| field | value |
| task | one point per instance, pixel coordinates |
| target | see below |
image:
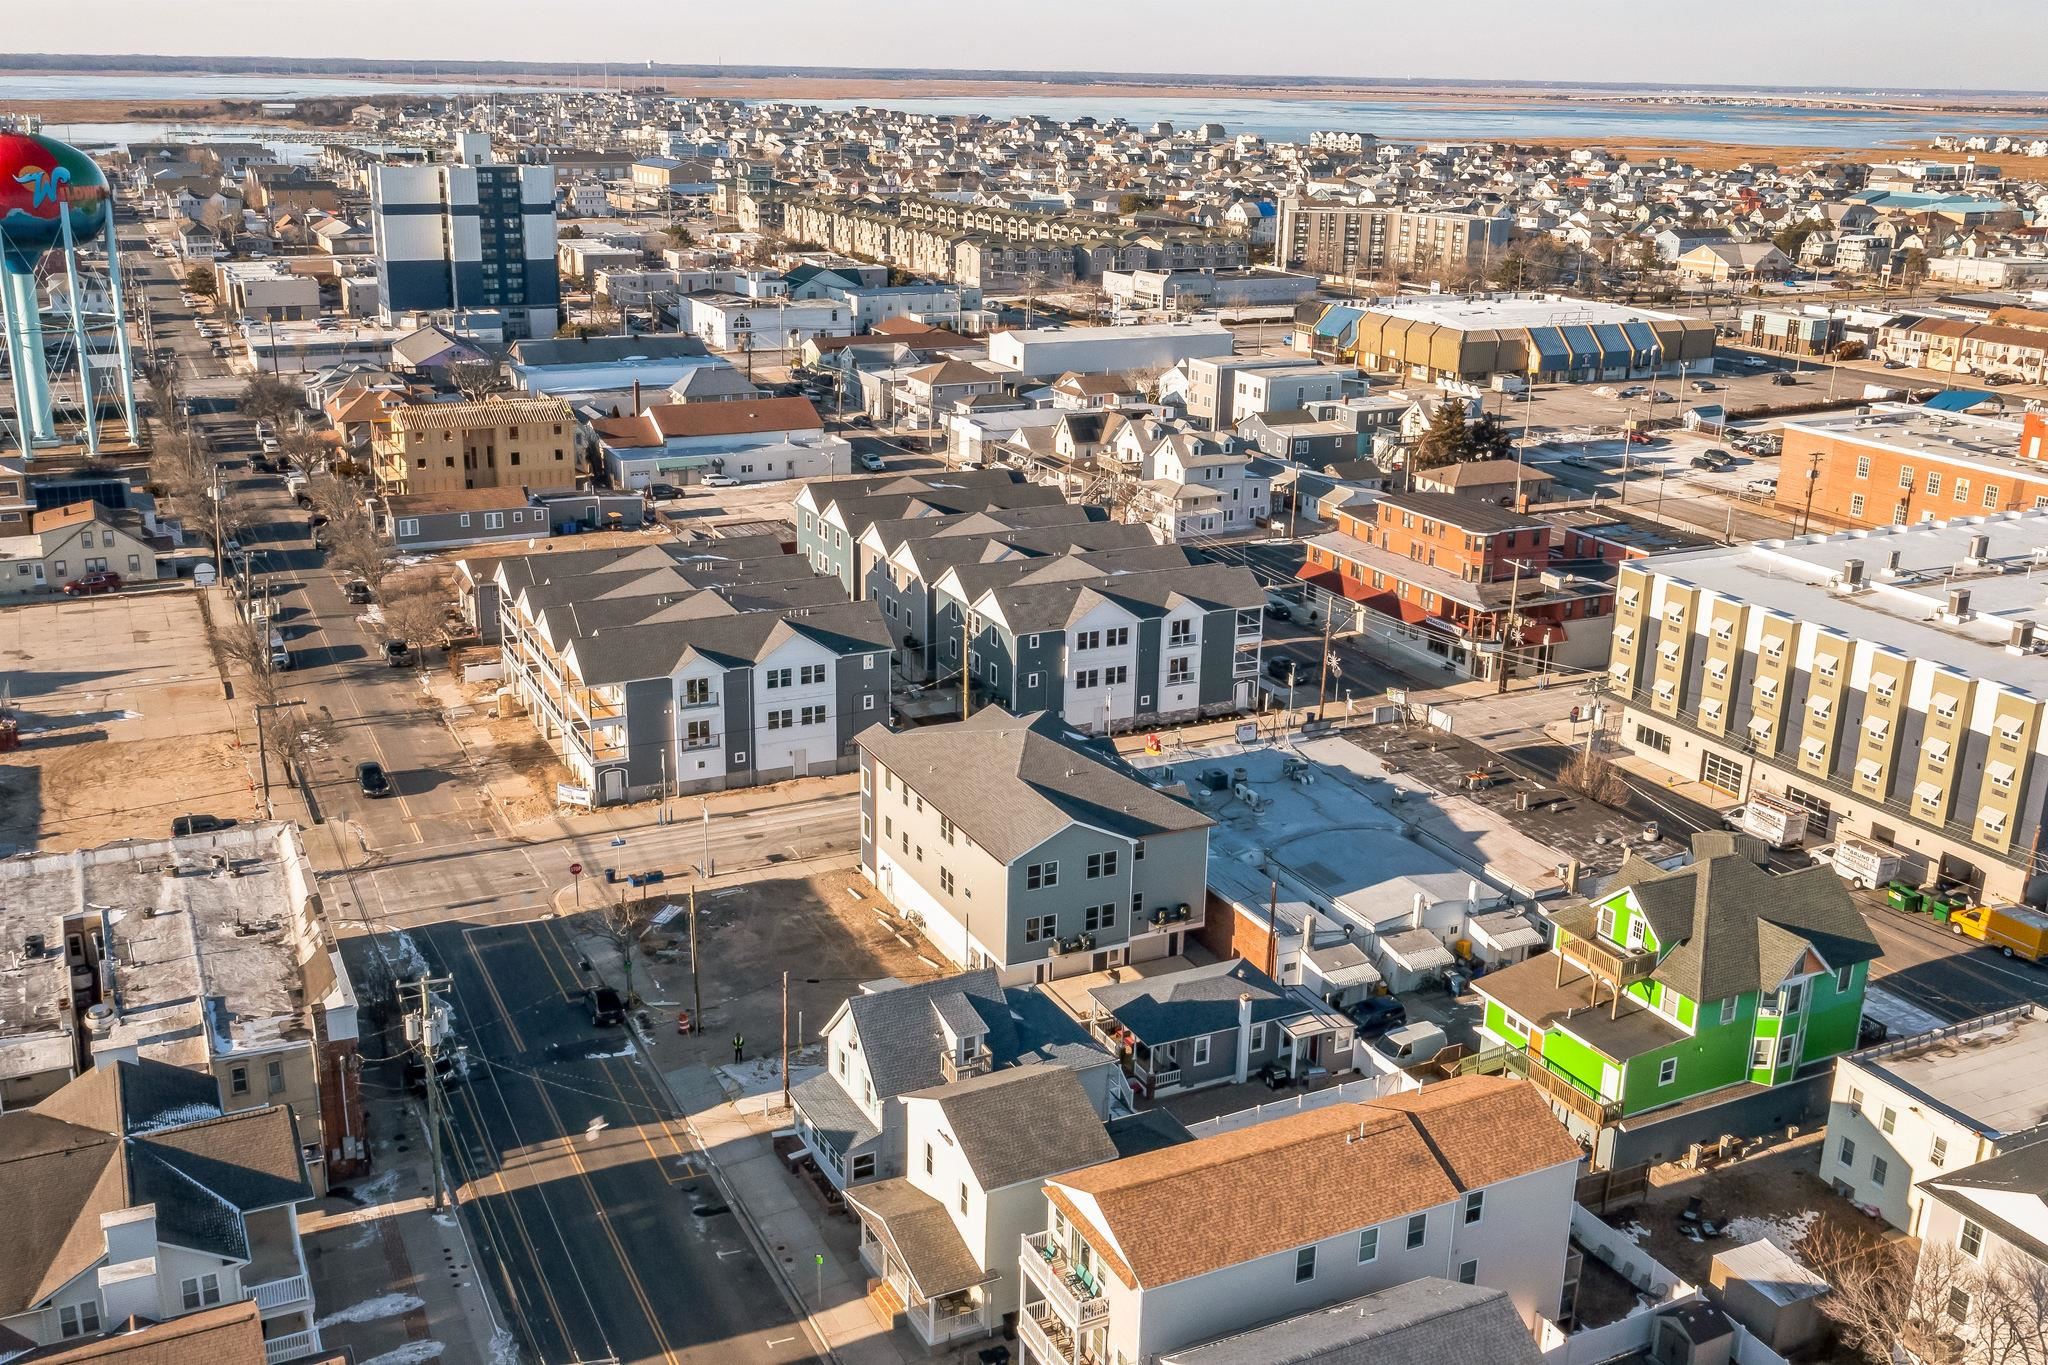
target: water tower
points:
(53, 198)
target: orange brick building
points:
(1899, 466)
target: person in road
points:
(739, 1042)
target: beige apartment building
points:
(498, 443)
(1890, 681)
(1362, 240)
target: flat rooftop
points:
(1987, 1071)
(1136, 332)
(1913, 431)
(1903, 611)
(1479, 315)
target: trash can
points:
(1901, 896)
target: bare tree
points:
(354, 545)
(416, 607)
(1595, 777)
(1930, 1298)
(621, 924)
(268, 398)
(476, 379)
(302, 449)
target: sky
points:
(1909, 45)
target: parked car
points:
(397, 653)
(372, 779)
(1286, 670)
(1632, 391)
(607, 1009)
(661, 492)
(871, 462)
(447, 1072)
(720, 481)
(1702, 462)
(357, 591)
(1719, 458)
(1705, 386)
(1376, 1014)
(197, 824)
(317, 520)
(1784, 378)
(92, 584)
(1763, 488)
(1406, 1047)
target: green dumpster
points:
(1941, 907)
(1901, 896)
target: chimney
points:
(1415, 915)
(1959, 604)
(1979, 551)
(128, 1290)
(130, 1234)
(636, 398)
(1244, 1036)
(1308, 929)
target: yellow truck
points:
(2011, 930)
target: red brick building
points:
(1898, 465)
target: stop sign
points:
(575, 869)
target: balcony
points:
(277, 1350)
(691, 701)
(1576, 1098)
(1073, 1294)
(276, 1296)
(1621, 967)
(957, 1068)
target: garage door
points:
(1722, 774)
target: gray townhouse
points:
(1131, 647)
(1300, 437)
(1018, 849)
(486, 588)
(891, 1040)
(910, 557)
(1220, 1023)
(653, 671)
(831, 515)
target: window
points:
(1116, 636)
(1937, 1152)
(1667, 1071)
(1962, 490)
(1856, 505)
(1102, 864)
(1990, 495)
(1201, 1053)
(781, 720)
(275, 1076)
(1088, 639)
(1653, 739)
(867, 703)
(814, 715)
(80, 1319)
(1879, 1169)
(1304, 1265)
(1888, 1119)
(1761, 1053)
(864, 1166)
(1933, 482)
(1418, 1230)
(1958, 1306)
(1905, 476)
(1468, 1272)
(1098, 917)
(1475, 1206)
(1843, 977)
(928, 1160)
(238, 1080)
(1087, 677)
(1971, 1239)
(1862, 466)
(495, 521)
(1847, 1156)
(946, 880)
(201, 1290)
(1039, 928)
(1728, 1008)
(778, 677)
(1040, 875)
(1258, 1037)
(1368, 1246)
(963, 1196)
(811, 675)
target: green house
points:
(1676, 984)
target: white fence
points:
(1364, 1088)
(1624, 1257)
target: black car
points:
(1702, 462)
(607, 1008)
(1784, 379)
(197, 824)
(397, 653)
(1287, 670)
(357, 591)
(372, 779)
(447, 1071)
(1376, 1014)
(663, 491)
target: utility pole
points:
(966, 671)
(420, 1030)
(263, 747)
(785, 1038)
(1323, 679)
(696, 982)
(1508, 630)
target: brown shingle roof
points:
(57, 517)
(230, 1334)
(1223, 1200)
(742, 417)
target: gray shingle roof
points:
(921, 1233)
(1037, 605)
(840, 1122)
(1023, 1123)
(657, 650)
(1423, 1322)
(1012, 782)
(1184, 1004)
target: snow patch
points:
(373, 615)
(1785, 1233)
(504, 1348)
(378, 1190)
(178, 1117)
(374, 1310)
(1633, 1230)
(408, 961)
(625, 1051)
(412, 1353)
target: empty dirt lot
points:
(123, 724)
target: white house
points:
(1994, 1217)
(730, 322)
(752, 440)
(1194, 487)
(1471, 1180)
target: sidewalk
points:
(393, 1281)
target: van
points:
(1405, 1048)
(1866, 862)
(2013, 931)
(280, 655)
(1780, 824)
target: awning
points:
(1438, 623)
(1760, 726)
(1814, 746)
(1937, 750)
(1618, 670)
(1869, 770)
(1878, 727)
(1999, 773)
(1718, 667)
(1550, 633)
(1711, 708)
(1767, 688)
(1820, 706)
(1668, 648)
(1664, 687)
(1994, 820)
(1929, 794)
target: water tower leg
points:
(30, 361)
(124, 350)
(18, 364)
(88, 400)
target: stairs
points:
(884, 1302)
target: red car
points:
(93, 583)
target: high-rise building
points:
(468, 236)
(1363, 240)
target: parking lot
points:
(128, 731)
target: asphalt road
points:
(603, 1233)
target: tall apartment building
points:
(467, 235)
(1353, 240)
(1895, 465)
(1888, 681)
